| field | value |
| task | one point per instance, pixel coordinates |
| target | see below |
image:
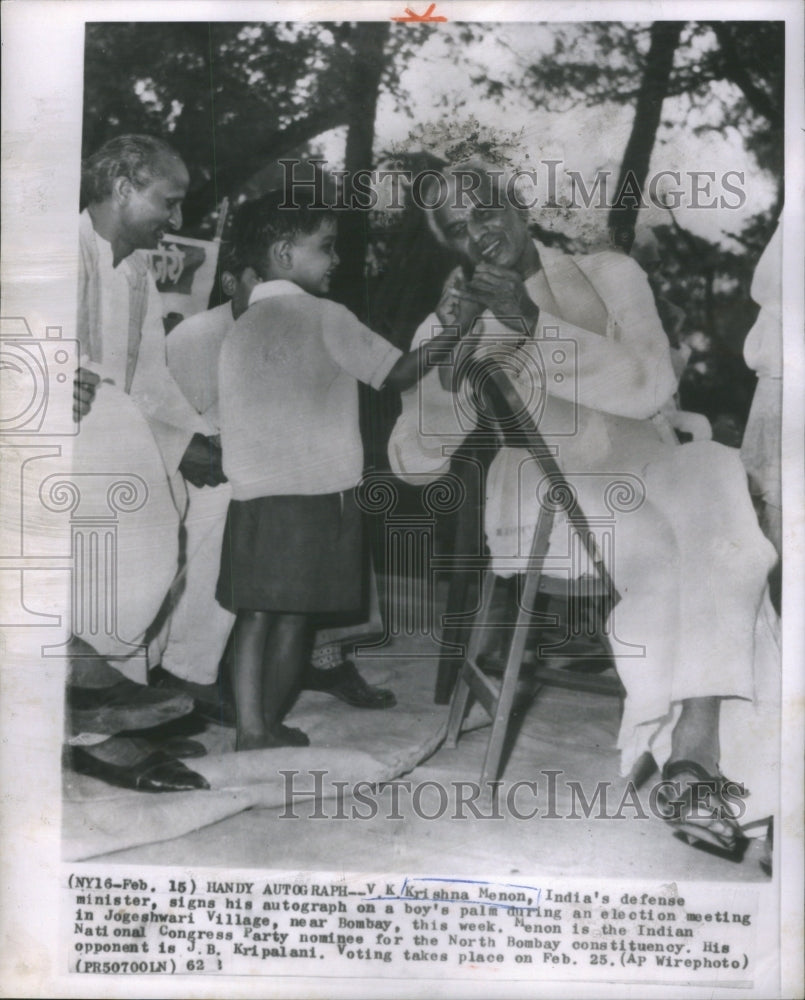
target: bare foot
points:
(251, 741)
(279, 736)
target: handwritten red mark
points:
(414, 18)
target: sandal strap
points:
(684, 766)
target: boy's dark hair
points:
(137, 157)
(278, 215)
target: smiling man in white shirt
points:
(133, 187)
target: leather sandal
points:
(700, 813)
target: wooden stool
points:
(497, 698)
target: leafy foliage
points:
(232, 97)
(236, 97)
(595, 63)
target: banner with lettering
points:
(184, 269)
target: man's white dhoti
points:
(126, 528)
(199, 627)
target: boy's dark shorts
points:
(292, 553)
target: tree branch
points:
(237, 169)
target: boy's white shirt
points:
(282, 432)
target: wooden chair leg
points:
(511, 674)
(469, 466)
(449, 666)
(461, 692)
(458, 709)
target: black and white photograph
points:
(402, 487)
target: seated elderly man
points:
(689, 562)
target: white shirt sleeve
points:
(432, 424)
(366, 355)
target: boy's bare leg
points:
(286, 656)
(250, 633)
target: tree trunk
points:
(634, 169)
(363, 86)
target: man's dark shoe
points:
(346, 683)
(212, 701)
(173, 737)
(122, 706)
(188, 725)
(154, 771)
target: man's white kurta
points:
(133, 362)
(171, 418)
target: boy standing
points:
(292, 542)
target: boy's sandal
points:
(701, 816)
